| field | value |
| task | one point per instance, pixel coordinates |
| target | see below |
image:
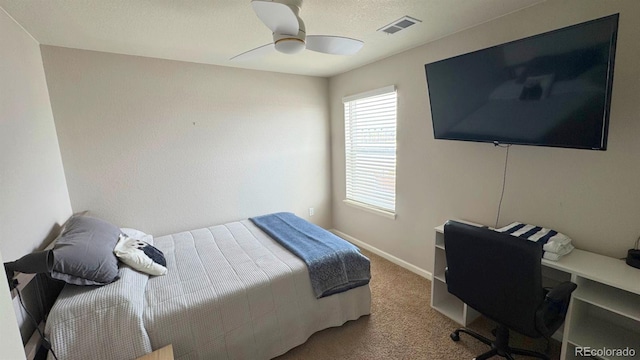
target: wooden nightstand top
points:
(165, 353)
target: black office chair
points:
(500, 276)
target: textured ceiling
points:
(213, 31)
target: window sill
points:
(371, 209)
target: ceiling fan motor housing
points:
(289, 32)
(289, 43)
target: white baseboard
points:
(414, 269)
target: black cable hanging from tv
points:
(504, 178)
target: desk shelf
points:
(618, 301)
(440, 264)
(446, 303)
(599, 329)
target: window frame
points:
(348, 114)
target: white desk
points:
(604, 311)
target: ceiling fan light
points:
(290, 45)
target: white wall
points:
(165, 146)
(592, 196)
(33, 191)
(32, 182)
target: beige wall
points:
(33, 190)
(32, 183)
(592, 196)
(165, 146)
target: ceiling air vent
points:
(400, 24)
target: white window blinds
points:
(370, 143)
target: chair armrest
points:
(561, 292)
(554, 308)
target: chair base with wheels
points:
(500, 346)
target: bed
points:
(231, 292)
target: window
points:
(370, 144)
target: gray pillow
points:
(83, 253)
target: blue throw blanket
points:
(335, 265)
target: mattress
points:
(231, 292)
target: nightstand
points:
(165, 353)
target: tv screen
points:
(552, 89)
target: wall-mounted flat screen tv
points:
(552, 89)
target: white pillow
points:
(130, 251)
(137, 234)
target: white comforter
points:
(231, 292)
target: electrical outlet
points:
(311, 212)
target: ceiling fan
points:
(289, 34)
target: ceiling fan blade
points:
(336, 45)
(255, 53)
(280, 18)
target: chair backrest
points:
(497, 274)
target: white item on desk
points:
(556, 256)
(554, 247)
(557, 248)
(540, 232)
(560, 239)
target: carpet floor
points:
(402, 325)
